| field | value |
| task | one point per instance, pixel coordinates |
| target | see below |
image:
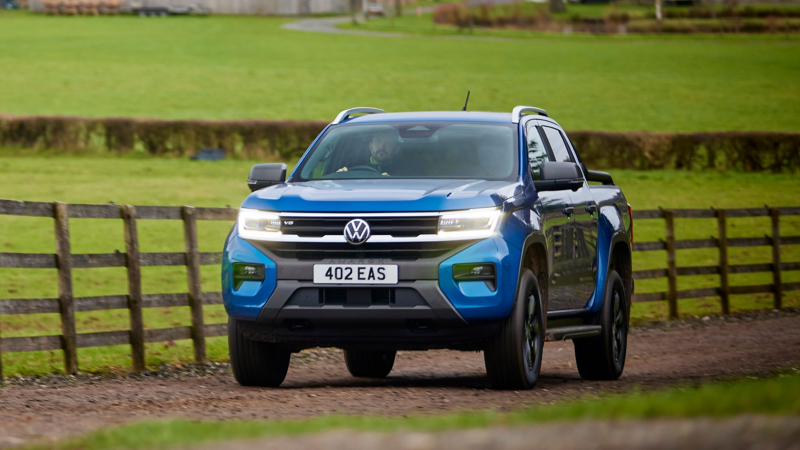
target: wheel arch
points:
(622, 262)
(612, 242)
(534, 257)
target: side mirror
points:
(263, 175)
(600, 177)
(559, 176)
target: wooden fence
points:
(722, 242)
(66, 305)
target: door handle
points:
(568, 211)
(591, 209)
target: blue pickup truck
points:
(460, 230)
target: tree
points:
(557, 6)
(659, 17)
(353, 7)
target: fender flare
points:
(535, 237)
(605, 252)
(622, 237)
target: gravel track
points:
(422, 382)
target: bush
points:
(284, 140)
(246, 139)
(745, 151)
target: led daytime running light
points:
(481, 222)
(253, 223)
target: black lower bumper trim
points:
(411, 315)
(427, 302)
(408, 334)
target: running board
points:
(572, 332)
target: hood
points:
(382, 195)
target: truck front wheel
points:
(603, 357)
(514, 357)
(256, 363)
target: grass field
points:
(773, 396)
(151, 181)
(248, 67)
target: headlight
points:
(255, 224)
(477, 222)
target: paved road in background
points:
(329, 25)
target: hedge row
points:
(748, 151)
(485, 15)
(745, 12)
(273, 140)
(245, 139)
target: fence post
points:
(672, 273)
(128, 214)
(195, 290)
(1, 359)
(775, 215)
(722, 242)
(65, 303)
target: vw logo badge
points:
(356, 231)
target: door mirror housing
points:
(600, 177)
(559, 176)
(264, 175)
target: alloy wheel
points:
(532, 338)
(618, 325)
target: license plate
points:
(355, 274)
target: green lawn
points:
(780, 395)
(248, 67)
(165, 181)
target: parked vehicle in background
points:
(208, 154)
(374, 10)
(167, 10)
(415, 231)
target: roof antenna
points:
(465, 103)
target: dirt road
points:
(421, 383)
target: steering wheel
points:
(365, 168)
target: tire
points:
(256, 363)
(514, 356)
(369, 364)
(603, 357)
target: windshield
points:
(413, 150)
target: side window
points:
(557, 144)
(537, 153)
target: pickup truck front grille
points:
(390, 250)
(401, 226)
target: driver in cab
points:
(384, 149)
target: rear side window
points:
(557, 144)
(537, 153)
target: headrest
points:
(495, 155)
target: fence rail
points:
(66, 305)
(722, 242)
(64, 261)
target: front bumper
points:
(426, 309)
